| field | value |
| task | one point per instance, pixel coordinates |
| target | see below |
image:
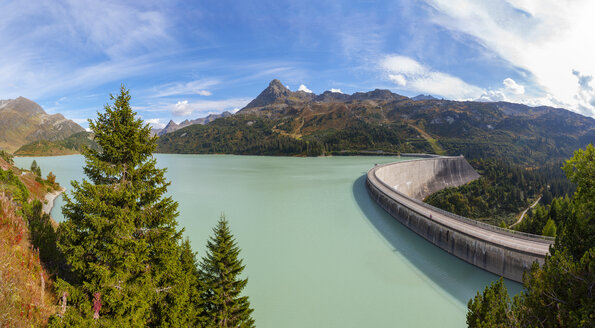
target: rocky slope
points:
(173, 126)
(23, 121)
(380, 120)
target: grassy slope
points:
(26, 299)
(71, 145)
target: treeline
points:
(546, 220)
(245, 135)
(118, 259)
(560, 293)
(70, 145)
(236, 135)
(501, 193)
(363, 136)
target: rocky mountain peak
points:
(275, 91)
(22, 105)
(378, 94)
(424, 97)
(23, 121)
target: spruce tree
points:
(120, 236)
(220, 272)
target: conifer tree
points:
(120, 236)
(35, 168)
(220, 272)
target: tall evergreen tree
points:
(220, 271)
(560, 293)
(120, 236)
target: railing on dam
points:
(514, 233)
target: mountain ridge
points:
(281, 121)
(23, 121)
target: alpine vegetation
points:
(120, 239)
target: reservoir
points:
(319, 252)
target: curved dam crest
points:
(400, 188)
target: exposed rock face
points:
(278, 101)
(173, 126)
(424, 97)
(329, 96)
(276, 95)
(23, 121)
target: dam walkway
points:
(400, 189)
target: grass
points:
(26, 299)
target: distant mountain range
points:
(172, 126)
(284, 122)
(23, 121)
(424, 97)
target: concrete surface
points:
(399, 188)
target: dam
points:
(400, 188)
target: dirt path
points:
(524, 212)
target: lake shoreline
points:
(50, 198)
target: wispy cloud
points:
(548, 38)
(197, 87)
(188, 108)
(408, 74)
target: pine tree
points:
(491, 309)
(220, 271)
(120, 236)
(35, 168)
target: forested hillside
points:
(560, 293)
(282, 122)
(502, 192)
(71, 145)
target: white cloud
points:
(204, 93)
(186, 108)
(155, 123)
(181, 108)
(196, 87)
(399, 79)
(547, 38)
(513, 87)
(411, 75)
(586, 94)
(403, 65)
(335, 90)
(514, 92)
(304, 88)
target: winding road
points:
(525, 211)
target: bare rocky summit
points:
(23, 121)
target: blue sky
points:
(186, 59)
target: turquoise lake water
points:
(318, 251)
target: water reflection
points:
(455, 276)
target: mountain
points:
(23, 121)
(281, 122)
(172, 126)
(424, 97)
(71, 145)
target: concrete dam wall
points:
(400, 187)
